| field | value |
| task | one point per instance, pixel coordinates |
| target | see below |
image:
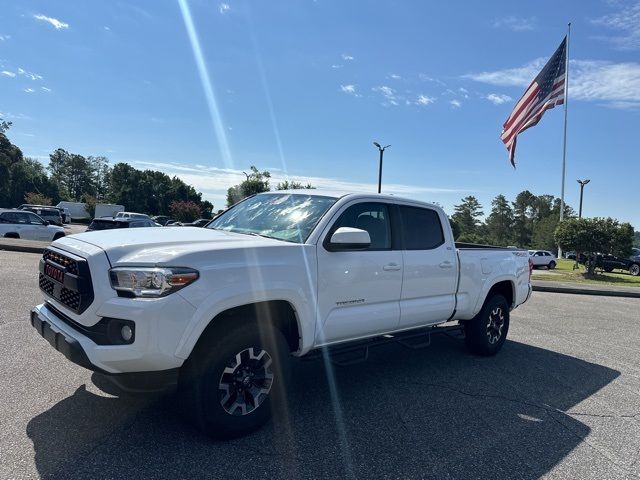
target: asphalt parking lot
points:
(561, 400)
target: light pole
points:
(381, 149)
(582, 184)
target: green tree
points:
(500, 221)
(256, 182)
(73, 172)
(595, 235)
(467, 218)
(292, 185)
(185, 210)
(522, 228)
(100, 173)
(9, 156)
(636, 239)
(35, 198)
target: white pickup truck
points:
(219, 311)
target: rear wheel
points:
(233, 383)
(551, 265)
(634, 269)
(487, 332)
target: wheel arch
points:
(280, 314)
(506, 288)
(12, 235)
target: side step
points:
(358, 351)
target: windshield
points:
(288, 217)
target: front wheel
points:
(634, 269)
(487, 332)
(231, 386)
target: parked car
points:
(609, 263)
(27, 225)
(201, 222)
(173, 223)
(50, 214)
(543, 258)
(120, 215)
(108, 223)
(162, 219)
(219, 311)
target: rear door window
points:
(421, 228)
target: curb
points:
(586, 291)
(25, 246)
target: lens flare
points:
(207, 85)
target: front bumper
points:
(71, 348)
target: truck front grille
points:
(66, 278)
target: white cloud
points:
(510, 77)
(350, 90)
(346, 57)
(455, 103)
(8, 73)
(627, 22)
(4, 38)
(29, 90)
(516, 24)
(57, 24)
(30, 75)
(615, 84)
(424, 100)
(498, 98)
(335, 66)
(45, 89)
(107, 28)
(214, 182)
(224, 8)
(427, 78)
(395, 76)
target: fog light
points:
(126, 333)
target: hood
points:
(162, 245)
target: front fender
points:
(236, 296)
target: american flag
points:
(545, 92)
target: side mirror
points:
(348, 238)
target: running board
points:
(358, 351)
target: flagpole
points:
(564, 147)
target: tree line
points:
(529, 221)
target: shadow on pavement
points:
(433, 413)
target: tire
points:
(215, 391)
(57, 236)
(11, 235)
(487, 332)
(551, 265)
(608, 269)
(634, 269)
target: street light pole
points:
(381, 149)
(582, 184)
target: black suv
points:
(108, 223)
(610, 263)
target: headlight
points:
(151, 281)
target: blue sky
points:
(303, 87)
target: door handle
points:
(446, 265)
(391, 267)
